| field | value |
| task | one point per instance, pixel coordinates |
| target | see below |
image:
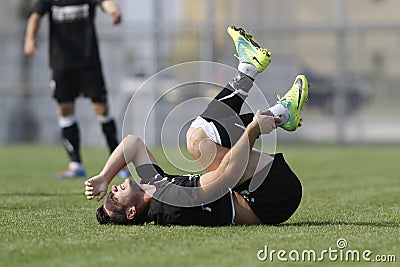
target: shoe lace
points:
(265, 51)
(284, 101)
(248, 36)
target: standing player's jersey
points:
(174, 202)
(73, 41)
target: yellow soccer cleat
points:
(248, 50)
(294, 100)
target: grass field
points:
(350, 192)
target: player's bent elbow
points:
(131, 136)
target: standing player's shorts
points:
(278, 195)
(70, 84)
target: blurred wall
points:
(348, 49)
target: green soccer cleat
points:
(294, 100)
(248, 50)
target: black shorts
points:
(279, 194)
(69, 84)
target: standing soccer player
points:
(76, 68)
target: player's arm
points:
(30, 34)
(235, 161)
(111, 8)
(131, 149)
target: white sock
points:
(66, 121)
(73, 165)
(281, 112)
(104, 119)
(248, 69)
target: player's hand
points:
(265, 123)
(116, 17)
(30, 47)
(96, 186)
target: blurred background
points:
(347, 49)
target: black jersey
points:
(173, 189)
(72, 35)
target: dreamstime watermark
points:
(339, 253)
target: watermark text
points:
(338, 253)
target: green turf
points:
(350, 192)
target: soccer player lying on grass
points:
(208, 199)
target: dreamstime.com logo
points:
(339, 253)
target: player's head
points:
(123, 205)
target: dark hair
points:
(119, 217)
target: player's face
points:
(120, 195)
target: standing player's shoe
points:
(124, 173)
(75, 170)
(294, 100)
(249, 51)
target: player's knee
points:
(133, 138)
(194, 137)
(101, 109)
(66, 109)
(192, 147)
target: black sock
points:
(225, 108)
(71, 142)
(110, 133)
(227, 103)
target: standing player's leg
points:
(71, 140)
(107, 123)
(94, 88)
(109, 129)
(65, 91)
